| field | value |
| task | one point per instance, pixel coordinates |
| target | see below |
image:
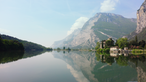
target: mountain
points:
(27, 45)
(68, 39)
(101, 27)
(141, 24)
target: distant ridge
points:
(27, 45)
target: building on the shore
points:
(103, 43)
(125, 48)
(114, 49)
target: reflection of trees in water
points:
(121, 60)
(135, 61)
(94, 71)
(113, 69)
(6, 57)
(105, 58)
(10, 56)
(33, 53)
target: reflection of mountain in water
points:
(141, 70)
(86, 65)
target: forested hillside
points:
(10, 45)
(27, 45)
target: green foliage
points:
(140, 36)
(122, 61)
(58, 49)
(10, 56)
(133, 42)
(68, 49)
(63, 48)
(109, 43)
(145, 47)
(49, 49)
(27, 45)
(137, 51)
(122, 42)
(97, 57)
(9, 45)
(118, 27)
(97, 45)
(142, 43)
(136, 40)
(104, 50)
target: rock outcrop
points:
(141, 18)
(140, 31)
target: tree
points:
(122, 42)
(116, 43)
(142, 43)
(109, 43)
(97, 45)
(63, 48)
(69, 49)
(58, 49)
(122, 61)
(133, 42)
(136, 40)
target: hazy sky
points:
(46, 21)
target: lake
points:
(73, 66)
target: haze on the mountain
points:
(101, 26)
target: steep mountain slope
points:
(103, 26)
(27, 45)
(65, 41)
(141, 24)
(100, 27)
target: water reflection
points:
(84, 66)
(33, 53)
(137, 62)
(103, 67)
(6, 57)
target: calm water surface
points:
(71, 67)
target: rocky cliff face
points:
(87, 34)
(140, 31)
(141, 18)
(101, 27)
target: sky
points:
(46, 21)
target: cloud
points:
(108, 5)
(78, 24)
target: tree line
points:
(9, 45)
(133, 44)
(123, 42)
